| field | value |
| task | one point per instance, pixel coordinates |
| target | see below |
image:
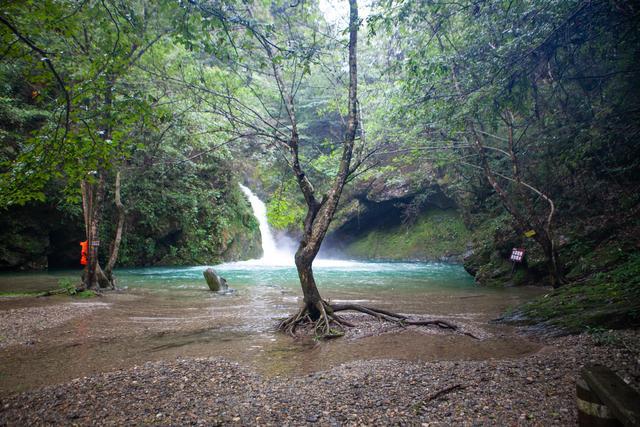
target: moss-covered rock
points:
(488, 258)
(436, 235)
(607, 299)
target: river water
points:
(165, 313)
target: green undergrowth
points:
(436, 235)
(609, 299)
(70, 289)
(33, 294)
(85, 294)
(194, 214)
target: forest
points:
(434, 198)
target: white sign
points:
(517, 254)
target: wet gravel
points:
(533, 390)
(22, 325)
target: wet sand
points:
(165, 356)
(57, 339)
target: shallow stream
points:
(165, 313)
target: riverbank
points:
(534, 390)
(22, 322)
(168, 351)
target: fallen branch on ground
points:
(420, 404)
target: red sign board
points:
(517, 254)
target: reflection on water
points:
(169, 312)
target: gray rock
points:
(216, 283)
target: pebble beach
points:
(537, 389)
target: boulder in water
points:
(216, 283)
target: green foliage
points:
(606, 300)
(20, 294)
(546, 72)
(68, 286)
(92, 47)
(130, 110)
(160, 89)
(284, 209)
(86, 294)
(603, 337)
(434, 235)
(185, 214)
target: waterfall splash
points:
(271, 254)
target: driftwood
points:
(444, 391)
(421, 403)
(54, 292)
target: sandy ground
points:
(538, 389)
(22, 325)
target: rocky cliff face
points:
(24, 239)
(398, 219)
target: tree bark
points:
(94, 277)
(92, 200)
(319, 216)
(115, 245)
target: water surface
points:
(166, 313)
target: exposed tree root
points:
(327, 324)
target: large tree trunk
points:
(320, 215)
(92, 201)
(312, 299)
(93, 276)
(115, 245)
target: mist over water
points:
(274, 255)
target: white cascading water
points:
(271, 255)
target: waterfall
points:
(271, 255)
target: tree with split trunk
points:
(91, 51)
(321, 210)
(278, 121)
(93, 194)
